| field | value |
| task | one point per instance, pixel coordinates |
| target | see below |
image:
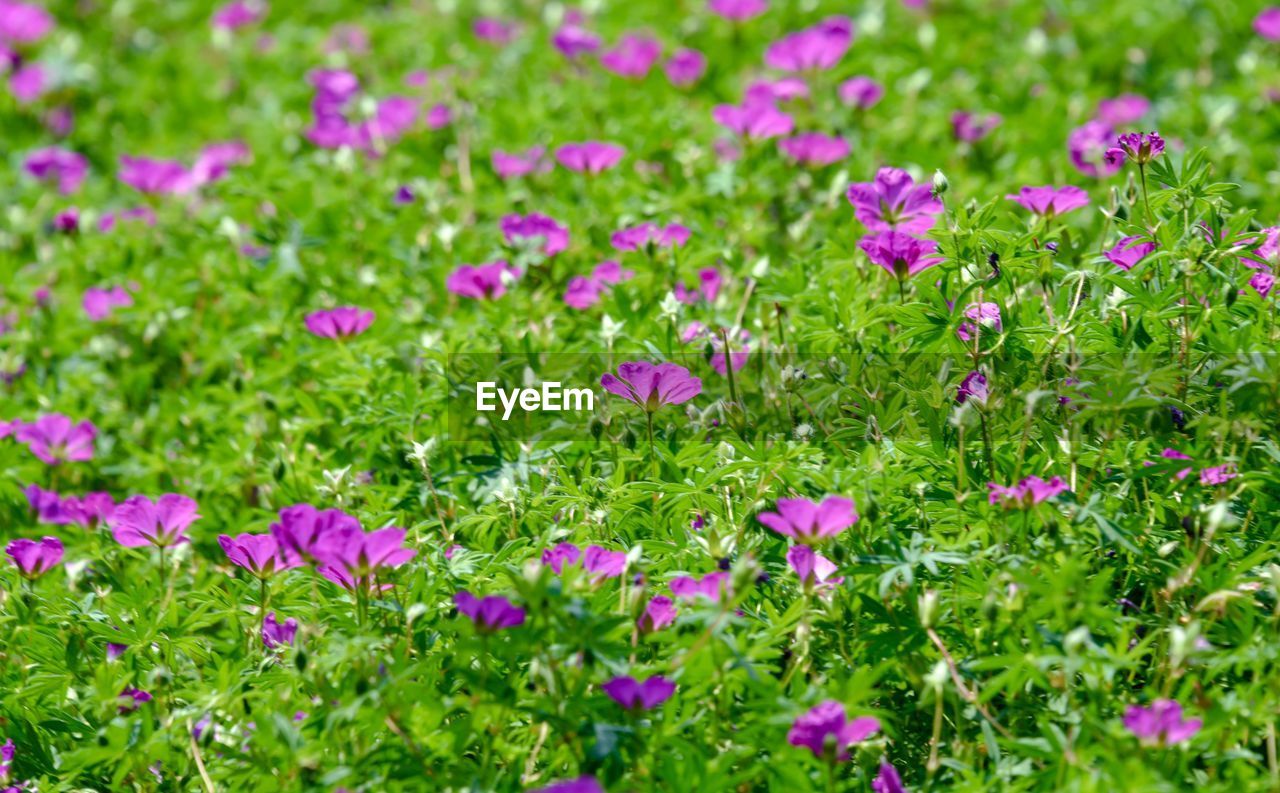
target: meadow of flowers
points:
(934, 442)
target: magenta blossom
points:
(339, 323)
(583, 784)
(1027, 493)
(651, 386)
(1087, 147)
(685, 68)
(738, 355)
(974, 386)
(818, 47)
(301, 526)
(738, 10)
(238, 14)
(260, 554)
(901, 255)
(564, 554)
(894, 202)
(490, 613)
(23, 23)
(139, 521)
(658, 613)
(67, 221)
(1160, 723)
(573, 40)
(278, 634)
(494, 30)
(351, 557)
(1262, 283)
(482, 282)
(143, 214)
(784, 89)
(753, 120)
(88, 510)
(632, 57)
(712, 586)
(707, 288)
(99, 303)
(131, 699)
(888, 780)
(1123, 109)
(972, 127)
(511, 165)
(1267, 23)
(56, 439)
(812, 568)
(28, 83)
(672, 235)
(156, 177)
(1141, 147)
(584, 291)
(979, 315)
(807, 522)
(551, 236)
(826, 724)
(34, 558)
(814, 148)
(1129, 251)
(1218, 474)
(861, 92)
(590, 156)
(55, 164)
(631, 694)
(1049, 201)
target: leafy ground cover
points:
(932, 352)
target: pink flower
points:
(738, 356)
(99, 303)
(651, 386)
(494, 30)
(894, 202)
(658, 614)
(28, 83)
(986, 315)
(1218, 474)
(1262, 283)
(631, 694)
(901, 255)
(974, 386)
(708, 287)
(23, 23)
(814, 148)
(784, 89)
(278, 634)
(972, 127)
(550, 235)
(712, 586)
(56, 439)
(1267, 23)
(483, 282)
(238, 14)
(685, 68)
(573, 40)
(339, 323)
(753, 120)
(819, 47)
(1129, 251)
(34, 558)
(738, 10)
(353, 558)
(1123, 109)
(1027, 493)
(585, 291)
(301, 527)
(1049, 201)
(804, 521)
(1161, 722)
(861, 92)
(827, 723)
(672, 235)
(632, 57)
(140, 521)
(260, 554)
(888, 780)
(509, 166)
(590, 156)
(812, 568)
(63, 166)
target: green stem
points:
(653, 449)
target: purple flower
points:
(339, 323)
(901, 255)
(216, 159)
(67, 221)
(99, 303)
(974, 386)
(738, 356)
(658, 613)
(632, 57)
(645, 234)
(738, 10)
(131, 699)
(144, 214)
(28, 83)
(482, 282)
(139, 521)
(1218, 474)
(1027, 493)
(573, 40)
(1129, 251)
(985, 315)
(155, 177)
(861, 92)
(509, 166)
(814, 148)
(352, 558)
(754, 120)
(1160, 723)
(825, 726)
(490, 613)
(1267, 23)
(812, 568)
(439, 116)
(64, 166)
(404, 195)
(566, 553)
(589, 156)
(585, 291)
(888, 780)
(972, 127)
(708, 287)
(34, 558)
(807, 522)
(301, 526)
(894, 202)
(55, 439)
(494, 30)
(603, 563)
(634, 695)
(685, 68)
(818, 47)
(1049, 201)
(784, 89)
(1123, 109)
(238, 14)
(23, 23)
(583, 784)
(552, 236)
(260, 554)
(651, 386)
(712, 586)
(1141, 147)
(278, 634)
(1262, 283)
